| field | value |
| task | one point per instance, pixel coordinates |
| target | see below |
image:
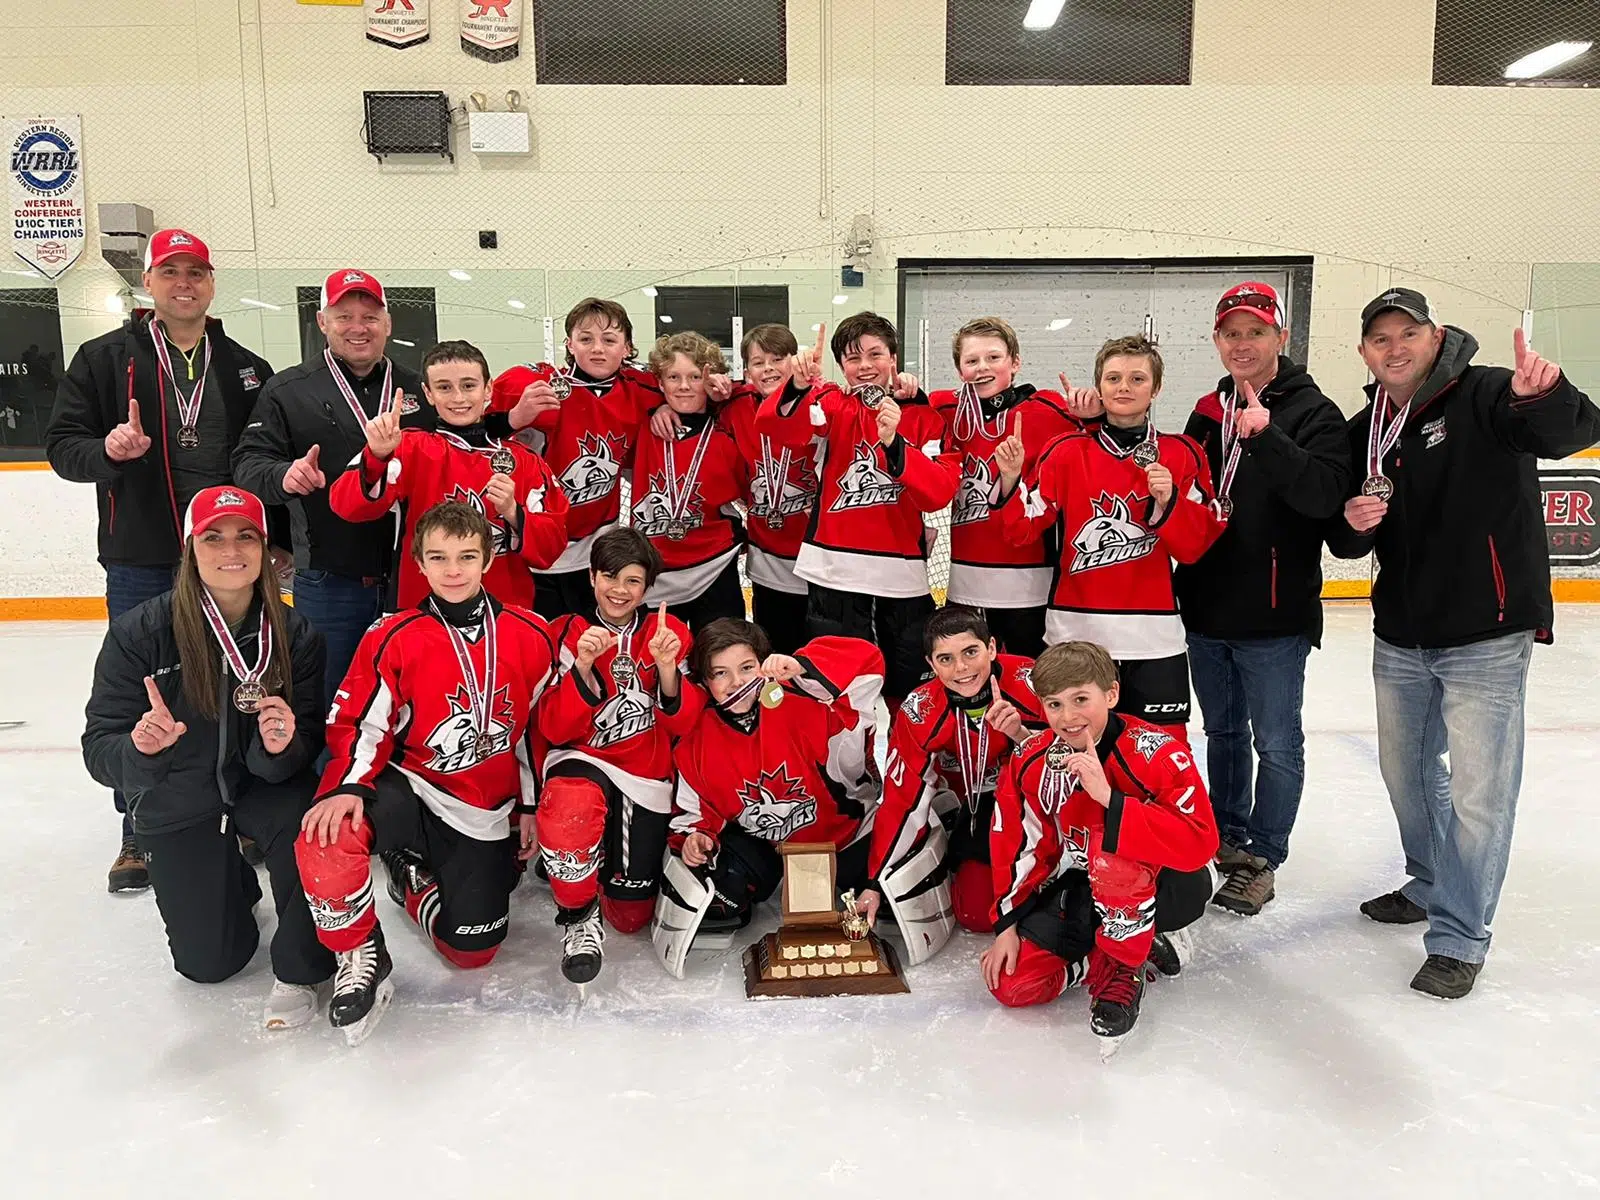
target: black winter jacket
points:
(1462, 555)
(199, 777)
(140, 524)
(1263, 577)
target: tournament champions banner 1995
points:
(45, 187)
(397, 23)
(491, 29)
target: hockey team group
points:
(492, 667)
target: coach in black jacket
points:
(119, 423)
(1450, 503)
(1252, 606)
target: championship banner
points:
(46, 191)
(1571, 504)
(397, 23)
(491, 29)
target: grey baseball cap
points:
(1413, 304)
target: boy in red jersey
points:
(781, 752)
(1009, 583)
(432, 750)
(865, 553)
(947, 745)
(607, 793)
(418, 468)
(1126, 501)
(684, 486)
(583, 418)
(1102, 841)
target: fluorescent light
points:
(841, 299)
(114, 303)
(403, 342)
(458, 273)
(1529, 66)
(1042, 14)
(664, 319)
(1060, 323)
(252, 302)
(517, 304)
(649, 291)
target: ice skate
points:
(407, 874)
(291, 1005)
(583, 947)
(361, 988)
(1169, 952)
(1115, 990)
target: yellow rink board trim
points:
(93, 608)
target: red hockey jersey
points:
(803, 770)
(622, 730)
(987, 570)
(1159, 814)
(432, 467)
(587, 441)
(687, 489)
(935, 746)
(1113, 583)
(406, 703)
(781, 493)
(866, 532)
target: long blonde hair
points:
(198, 650)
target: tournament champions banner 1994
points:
(491, 29)
(397, 23)
(45, 187)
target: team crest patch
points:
(630, 712)
(230, 500)
(972, 499)
(1111, 536)
(409, 404)
(915, 707)
(454, 740)
(1123, 923)
(776, 805)
(652, 515)
(1148, 741)
(795, 493)
(593, 473)
(865, 484)
(1433, 432)
(247, 376)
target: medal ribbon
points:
(1150, 437)
(973, 765)
(679, 487)
(1232, 446)
(385, 397)
(188, 410)
(480, 696)
(1381, 438)
(745, 691)
(969, 420)
(1056, 787)
(461, 443)
(776, 473)
(230, 648)
(624, 638)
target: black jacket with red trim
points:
(1462, 552)
(140, 524)
(1263, 577)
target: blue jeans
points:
(342, 610)
(1456, 820)
(1251, 692)
(126, 589)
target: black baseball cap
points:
(1413, 304)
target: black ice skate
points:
(583, 946)
(361, 988)
(407, 874)
(1115, 991)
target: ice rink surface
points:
(1290, 1058)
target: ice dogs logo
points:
(454, 740)
(592, 475)
(1111, 536)
(864, 483)
(776, 805)
(972, 501)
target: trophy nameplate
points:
(813, 953)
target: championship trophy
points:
(819, 950)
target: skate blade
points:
(355, 1034)
(1109, 1046)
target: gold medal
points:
(771, 695)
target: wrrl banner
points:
(46, 191)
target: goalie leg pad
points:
(681, 904)
(572, 825)
(918, 893)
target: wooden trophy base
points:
(819, 962)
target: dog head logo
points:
(627, 714)
(775, 806)
(653, 512)
(864, 484)
(972, 499)
(474, 500)
(1111, 536)
(454, 740)
(795, 492)
(593, 473)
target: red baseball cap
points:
(169, 243)
(214, 503)
(341, 283)
(1257, 299)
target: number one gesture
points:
(156, 730)
(1533, 375)
(1009, 455)
(1255, 416)
(128, 441)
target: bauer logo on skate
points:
(972, 501)
(776, 805)
(1110, 537)
(593, 474)
(864, 483)
(454, 740)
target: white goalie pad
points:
(921, 907)
(680, 907)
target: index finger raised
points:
(157, 704)
(822, 339)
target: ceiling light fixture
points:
(1060, 323)
(252, 302)
(458, 273)
(1042, 14)
(649, 291)
(1531, 66)
(517, 304)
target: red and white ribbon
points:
(680, 488)
(385, 397)
(480, 691)
(969, 420)
(230, 648)
(1381, 437)
(188, 409)
(972, 753)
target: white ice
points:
(1290, 1059)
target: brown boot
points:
(1229, 857)
(129, 873)
(1249, 888)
